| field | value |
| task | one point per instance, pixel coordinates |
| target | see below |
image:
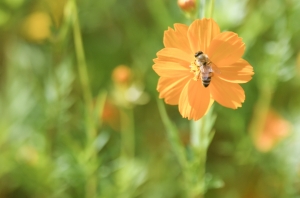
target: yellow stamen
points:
(196, 70)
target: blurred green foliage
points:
(45, 150)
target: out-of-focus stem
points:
(260, 111)
(212, 6)
(199, 148)
(202, 8)
(193, 170)
(127, 133)
(195, 131)
(83, 74)
(172, 135)
(91, 185)
(201, 136)
(82, 67)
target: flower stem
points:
(193, 165)
(82, 67)
(212, 6)
(83, 74)
(202, 9)
(201, 137)
(261, 109)
(127, 133)
(172, 135)
(91, 185)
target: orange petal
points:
(194, 100)
(211, 102)
(170, 88)
(175, 55)
(201, 33)
(239, 72)
(228, 94)
(177, 38)
(226, 49)
(170, 69)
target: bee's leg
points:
(198, 75)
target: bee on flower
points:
(200, 65)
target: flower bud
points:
(122, 74)
(187, 5)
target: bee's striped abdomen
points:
(206, 78)
(206, 82)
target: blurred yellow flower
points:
(36, 26)
(194, 55)
(28, 154)
(274, 130)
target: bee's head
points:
(197, 54)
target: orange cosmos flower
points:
(193, 56)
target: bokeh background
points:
(46, 149)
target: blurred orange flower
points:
(193, 56)
(110, 115)
(122, 75)
(275, 129)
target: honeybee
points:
(205, 67)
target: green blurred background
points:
(46, 150)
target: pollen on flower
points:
(196, 70)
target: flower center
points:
(196, 70)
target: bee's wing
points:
(214, 68)
(202, 69)
(205, 72)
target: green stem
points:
(200, 139)
(212, 6)
(172, 135)
(260, 112)
(195, 130)
(202, 9)
(127, 133)
(193, 169)
(83, 74)
(262, 106)
(82, 67)
(91, 185)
